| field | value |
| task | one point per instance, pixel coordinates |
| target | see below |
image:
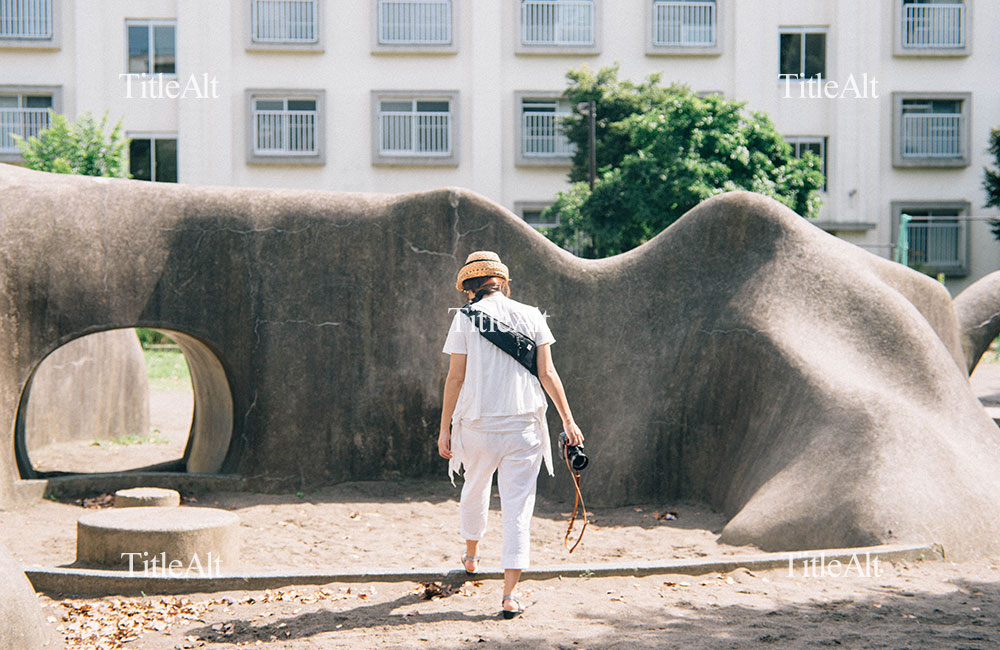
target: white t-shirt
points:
(498, 394)
(496, 385)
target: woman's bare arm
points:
(452, 386)
(553, 386)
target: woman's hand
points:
(574, 436)
(444, 443)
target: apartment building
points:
(897, 97)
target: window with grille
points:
(684, 23)
(284, 21)
(933, 24)
(285, 126)
(414, 22)
(558, 22)
(22, 115)
(26, 19)
(414, 127)
(542, 133)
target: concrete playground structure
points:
(815, 394)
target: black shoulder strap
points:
(505, 337)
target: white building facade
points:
(898, 97)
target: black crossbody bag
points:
(505, 337)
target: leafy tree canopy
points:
(991, 180)
(661, 150)
(80, 147)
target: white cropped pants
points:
(516, 458)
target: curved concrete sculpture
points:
(22, 625)
(978, 311)
(813, 392)
(93, 388)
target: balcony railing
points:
(23, 122)
(284, 21)
(931, 135)
(408, 133)
(557, 22)
(934, 243)
(285, 132)
(542, 136)
(934, 25)
(25, 18)
(684, 24)
(414, 22)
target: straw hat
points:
(482, 264)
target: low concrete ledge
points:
(87, 582)
(82, 485)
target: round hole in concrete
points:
(88, 408)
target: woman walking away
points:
(493, 418)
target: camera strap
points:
(505, 337)
(577, 504)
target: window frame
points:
(902, 50)
(306, 47)
(965, 137)
(416, 159)
(803, 30)
(556, 49)
(50, 42)
(898, 208)
(520, 207)
(520, 158)
(377, 47)
(55, 92)
(153, 137)
(251, 95)
(824, 142)
(150, 23)
(722, 8)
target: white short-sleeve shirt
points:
(496, 385)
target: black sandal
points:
(510, 613)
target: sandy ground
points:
(169, 420)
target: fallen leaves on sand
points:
(99, 502)
(434, 590)
(667, 515)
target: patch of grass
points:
(154, 438)
(167, 370)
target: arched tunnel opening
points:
(100, 404)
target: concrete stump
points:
(22, 625)
(147, 497)
(184, 541)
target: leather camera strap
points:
(577, 505)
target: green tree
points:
(80, 147)
(991, 180)
(660, 151)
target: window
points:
(414, 22)
(937, 235)
(284, 21)
(415, 128)
(816, 145)
(802, 52)
(558, 22)
(684, 23)
(541, 139)
(286, 126)
(152, 47)
(931, 130)
(26, 19)
(531, 212)
(153, 158)
(933, 24)
(23, 115)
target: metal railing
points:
(284, 21)
(542, 136)
(23, 122)
(408, 133)
(285, 132)
(934, 243)
(933, 25)
(931, 135)
(25, 18)
(414, 22)
(557, 22)
(684, 24)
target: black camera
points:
(577, 459)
